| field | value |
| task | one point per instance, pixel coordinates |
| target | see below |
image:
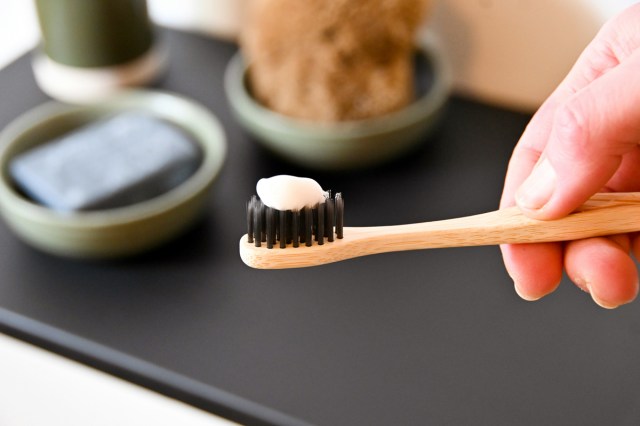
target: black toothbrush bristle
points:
(283, 229)
(271, 227)
(250, 215)
(295, 228)
(257, 222)
(308, 226)
(339, 207)
(320, 223)
(329, 218)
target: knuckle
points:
(571, 124)
(621, 32)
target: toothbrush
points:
(326, 240)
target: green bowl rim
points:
(214, 158)
(427, 105)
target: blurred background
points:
(506, 52)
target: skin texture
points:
(583, 139)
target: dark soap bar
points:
(121, 160)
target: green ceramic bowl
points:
(120, 231)
(343, 145)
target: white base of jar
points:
(85, 85)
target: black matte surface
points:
(435, 337)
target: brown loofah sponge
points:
(332, 60)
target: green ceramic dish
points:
(121, 231)
(344, 145)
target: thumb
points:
(592, 129)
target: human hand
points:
(584, 139)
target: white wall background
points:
(508, 52)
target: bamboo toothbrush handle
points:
(603, 214)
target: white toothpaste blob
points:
(284, 192)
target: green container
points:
(94, 33)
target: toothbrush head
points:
(270, 228)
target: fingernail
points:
(602, 303)
(523, 295)
(537, 189)
(599, 301)
(582, 284)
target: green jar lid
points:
(94, 33)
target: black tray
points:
(432, 337)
